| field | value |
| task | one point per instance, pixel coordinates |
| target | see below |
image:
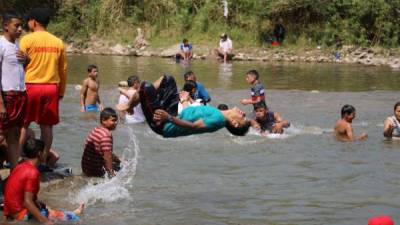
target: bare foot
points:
(80, 209)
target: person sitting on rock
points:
(225, 50)
(185, 51)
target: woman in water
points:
(391, 127)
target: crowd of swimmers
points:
(33, 79)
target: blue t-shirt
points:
(211, 117)
(201, 93)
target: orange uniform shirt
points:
(48, 63)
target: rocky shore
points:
(348, 54)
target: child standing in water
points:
(98, 157)
(22, 187)
(90, 99)
(343, 129)
(257, 89)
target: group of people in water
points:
(33, 80)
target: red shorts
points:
(42, 104)
(15, 103)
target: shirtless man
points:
(90, 99)
(343, 130)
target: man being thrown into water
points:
(343, 129)
(160, 106)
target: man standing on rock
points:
(45, 78)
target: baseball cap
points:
(41, 15)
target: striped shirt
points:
(98, 142)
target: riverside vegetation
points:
(366, 28)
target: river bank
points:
(348, 54)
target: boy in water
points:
(257, 89)
(90, 99)
(160, 106)
(267, 121)
(137, 115)
(201, 92)
(13, 98)
(343, 129)
(22, 187)
(98, 157)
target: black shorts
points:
(166, 98)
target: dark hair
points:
(347, 110)
(396, 105)
(33, 147)
(238, 131)
(185, 40)
(189, 86)
(41, 15)
(132, 80)
(188, 74)
(259, 105)
(91, 67)
(253, 73)
(107, 113)
(8, 16)
(223, 107)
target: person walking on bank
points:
(45, 77)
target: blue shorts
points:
(91, 108)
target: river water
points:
(302, 177)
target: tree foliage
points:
(361, 22)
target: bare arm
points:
(62, 72)
(3, 113)
(282, 122)
(108, 159)
(32, 208)
(251, 101)
(388, 128)
(85, 86)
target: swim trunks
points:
(15, 103)
(91, 108)
(166, 98)
(42, 104)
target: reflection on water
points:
(301, 76)
(304, 177)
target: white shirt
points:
(12, 72)
(226, 45)
(137, 116)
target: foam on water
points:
(110, 190)
(293, 131)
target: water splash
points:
(225, 4)
(116, 188)
(293, 130)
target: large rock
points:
(169, 52)
(117, 49)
